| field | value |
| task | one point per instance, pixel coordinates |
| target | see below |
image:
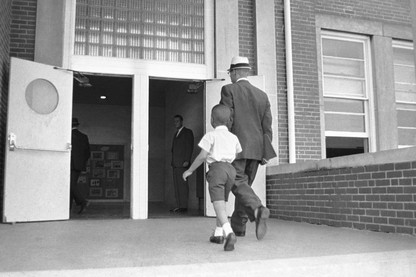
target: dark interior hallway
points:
(121, 210)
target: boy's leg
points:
(218, 236)
(222, 218)
(220, 212)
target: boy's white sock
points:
(227, 228)
(218, 232)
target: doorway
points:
(103, 106)
(168, 98)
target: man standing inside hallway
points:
(182, 148)
(80, 153)
(252, 124)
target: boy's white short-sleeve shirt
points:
(221, 145)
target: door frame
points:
(140, 70)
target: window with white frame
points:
(347, 91)
(162, 30)
(405, 92)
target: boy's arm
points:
(202, 156)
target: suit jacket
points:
(251, 115)
(80, 151)
(182, 147)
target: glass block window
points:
(162, 30)
(346, 90)
(405, 92)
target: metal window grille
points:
(162, 30)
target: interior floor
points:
(121, 210)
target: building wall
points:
(23, 25)
(377, 197)
(305, 63)
(5, 17)
(246, 33)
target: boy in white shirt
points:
(219, 149)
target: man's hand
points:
(264, 161)
(186, 174)
(185, 164)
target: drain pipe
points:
(289, 81)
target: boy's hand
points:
(186, 174)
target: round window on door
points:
(42, 96)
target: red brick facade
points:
(380, 197)
(305, 63)
(23, 26)
(377, 197)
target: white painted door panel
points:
(37, 165)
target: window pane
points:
(344, 105)
(344, 87)
(343, 67)
(344, 122)
(407, 137)
(342, 48)
(403, 56)
(406, 118)
(404, 74)
(141, 29)
(339, 146)
(405, 92)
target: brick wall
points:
(306, 75)
(23, 26)
(247, 32)
(378, 197)
(5, 17)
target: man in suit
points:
(182, 147)
(251, 123)
(80, 153)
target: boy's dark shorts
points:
(220, 177)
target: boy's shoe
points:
(229, 242)
(216, 239)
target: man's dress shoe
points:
(84, 206)
(229, 242)
(261, 227)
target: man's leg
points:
(182, 189)
(261, 213)
(176, 185)
(246, 201)
(75, 193)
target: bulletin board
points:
(105, 172)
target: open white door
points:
(212, 97)
(37, 166)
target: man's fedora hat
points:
(239, 62)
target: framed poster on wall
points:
(105, 172)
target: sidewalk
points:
(180, 247)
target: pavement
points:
(179, 246)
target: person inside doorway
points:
(80, 153)
(182, 148)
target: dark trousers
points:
(75, 193)
(181, 187)
(246, 200)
